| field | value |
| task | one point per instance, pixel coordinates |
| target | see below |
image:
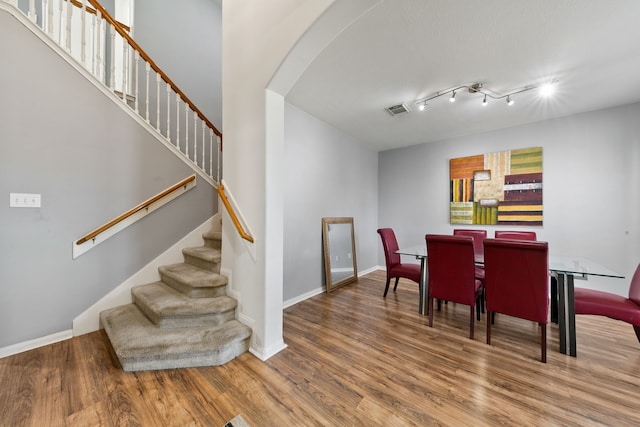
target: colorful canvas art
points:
(502, 188)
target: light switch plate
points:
(24, 200)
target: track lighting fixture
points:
(546, 89)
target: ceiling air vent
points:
(398, 109)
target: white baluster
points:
(32, 10)
(125, 68)
(169, 112)
(178, 121)
(203, 166)
(70, 8)
(195, 138)
(158, 101)
(136, 92)
(50, 18)
(112, 67)
(60, 23)
(98, 61)
(219, 154)
(83, 44)
(148, 67)
(210, 152)
(186, 129)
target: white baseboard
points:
(265, 353)
(35, 343)
(318, 291)
(89, 320)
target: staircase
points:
(184, 320)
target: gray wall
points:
(328, 174)
(184, 39)
(62, 138)
(591, 167)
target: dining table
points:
(563, 271)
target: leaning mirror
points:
(339, 252)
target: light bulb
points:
(547, 89)
(453, 97)
(421, 107)
(509, 101)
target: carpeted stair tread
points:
(168, 308)
(193, 281)
(204, 253)
(212, 239)
(140, 345)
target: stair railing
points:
(103, 46)
(122, 221)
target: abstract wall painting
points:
(503, 188)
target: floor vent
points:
(398, 109)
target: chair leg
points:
(472, 321)
(430, 304)
(489, 327)
(479, 308)
(386, 288)
(396, 285)
(440, 304)
(637, 330)
(493, 317)
(543, 338)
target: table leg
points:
(567, 315)
(554, 299)
(423, 307)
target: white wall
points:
(591, 195)
(327, 174)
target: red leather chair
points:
(451, 264)
(478, 238)
(394, 267)
(516, 235)
(517, 282)
(589, 301)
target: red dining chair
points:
(517, 282)
(451, 265)
(478, 239)
(516, 235)
(478, 249)
(396, 269)
(599, 303)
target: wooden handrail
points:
(138, 208)
(233, 216)
(153, 65)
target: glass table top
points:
(566, 264)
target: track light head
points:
(484, 101)
(453, 97)
(509, 101)
(422, 106)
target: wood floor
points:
(353, 359)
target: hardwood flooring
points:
(353, 359)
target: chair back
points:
(451, 267)
(517, 278)
(478, 238)
(516, 235)
(390, 245)
(634, 287)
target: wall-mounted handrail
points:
(131, 212)
(233, 215)
(153, 65)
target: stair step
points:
(203, 257)
(140, 345)
(168, 308)
(193, 281)
(212, 239)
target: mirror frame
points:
(330, 284)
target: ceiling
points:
(401, 51)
